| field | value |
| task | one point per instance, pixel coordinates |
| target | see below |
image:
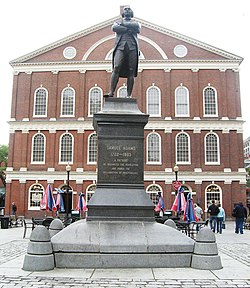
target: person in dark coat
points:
(240, 214)
(13, 208)
(126, 51)
(213, 210)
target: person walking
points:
(198, 211)
(213, 210)
(240, 213)
(220, 219)
(13, 208)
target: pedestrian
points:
(220, 219)
(13, 208)
(198, 211)
(213, 210)
(240, 214)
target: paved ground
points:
(234, 250)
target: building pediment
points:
(93, 44)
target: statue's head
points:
(127, 9)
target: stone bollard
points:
(39, 255)
(205, 255)
(55, 226)
(170, 223)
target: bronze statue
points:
(126, 51)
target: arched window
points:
(213, 192)
(153, 148)
(210, 102)
(40, 102)
(122, 92)
(35, 196)
(152, 191)
(90, 192)
(95, 100)
(38, 149)
(68, 102)
(154, 101)
(181, 102)
(182, 148)
(66, 148)
(92, 149)
(212, 155)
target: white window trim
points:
(206, 192)
(154, 115)
(189, 150)
(32, 150)
(160, 156)
(72, 160)
(87, 192)
(34, 104)
(218, 149)
(120, 88)
(156, 193)
(88, 162)
(73, 115)
(91, 115)
(216, 99)
(34, 208)
(175, 93)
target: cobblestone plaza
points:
(234, 250)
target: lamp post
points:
(176, 170)
(68, 168)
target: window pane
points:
(152, 192)
(40, 102)
(182, 148)
(93, 148)
(210, 101)
(35, 196)
(68, 102)
(122, 92)
(211, 148)
(90, 192)
(38, 148)
(66, 148)
(153, 148)
(181, 101)
(213, 193)
(95, 101)
(153, 101)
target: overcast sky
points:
(27, 25)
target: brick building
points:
(190, 90)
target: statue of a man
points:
(126, 51)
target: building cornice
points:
(167, 125)
(162, 176)
(105, 65)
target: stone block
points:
(42, 248)
(55, 226)
(206, 262)
(170, 223)
(38, 262)
(205, 235)
(205, 248)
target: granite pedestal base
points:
(121, 244)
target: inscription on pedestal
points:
(120, 162)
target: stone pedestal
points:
(120, 193)
(120, 230)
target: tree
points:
(248, 177)
(4, 154)
(3, 161)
